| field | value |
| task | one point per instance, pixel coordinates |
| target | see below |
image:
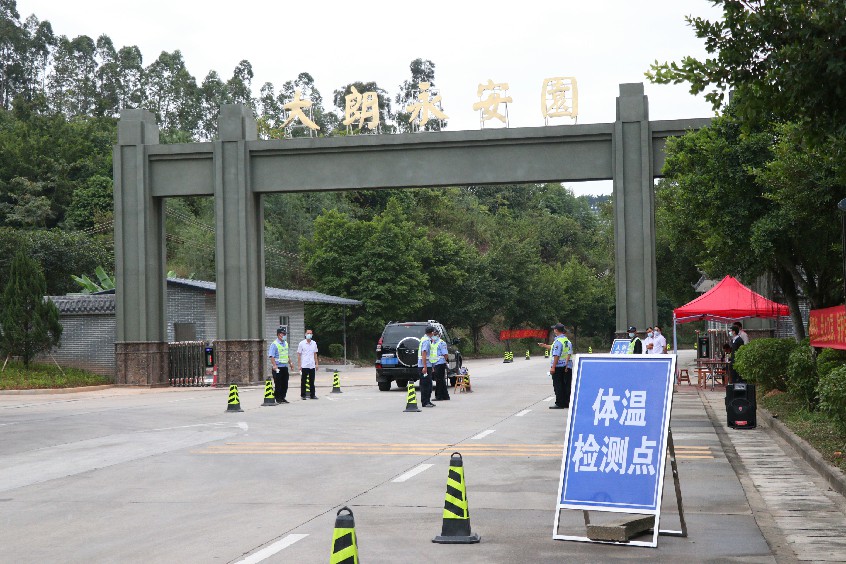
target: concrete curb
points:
(53, 391)
(833, 476)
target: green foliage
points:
(786, 58)
(828, 360)
(763, 362)
(802, 374)
(106, 282)
(832, 393)
(41, 376)
(60, 254)
(336, 350)
(91, 203)
(30, 324)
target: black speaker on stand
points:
(741, 407)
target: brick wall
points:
(189, 305)
(88, 342)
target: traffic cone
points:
(411, 398)
(590, 350)
(467, 388)
(336, 383)
(456, 521)
(344, 545)
(508, 357)
(234, 403)
(268, 393)
(546, 353)
(528, 357)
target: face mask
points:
(657, 332)
(631, 334)
(649, 334)
(309, 336)
(282, 339)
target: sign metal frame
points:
(665, 447)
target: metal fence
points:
(187, 363)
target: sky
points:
(602, 43)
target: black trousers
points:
(441, 388)
(307, 374)
(425, 384)
(280, 383)
(561, 382)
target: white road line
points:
(411, 473)
(522, 413)
(269, 551)
(483, 434)
(550, 398)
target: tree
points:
(171, 92)
(212, 94)
(786, 58)
(755, 203)
(30, 323)
(72, 82)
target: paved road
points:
(124, 475)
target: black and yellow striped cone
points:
(268, 393)
(467, 386)
(234, 403)
(336, 383)
(344, 545)
(546, 353)
(528, 356)
(590, 350)
(411, 398)
(456, 527)
(508, 357)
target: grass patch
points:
(41, 376)
(815, 427)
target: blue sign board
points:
(620, 346)
(616, 437)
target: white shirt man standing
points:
(649, 341)
(307, 359)
(659, 342)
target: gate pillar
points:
(239, 251)
(634, 211)
(141, 346)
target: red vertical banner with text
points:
(827, 328)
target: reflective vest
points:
(564, 341)
(632, 345)
(420, 348)
(282, 349)
(433, 351)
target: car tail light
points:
(378, 366)
(379, 346)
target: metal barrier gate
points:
(187, 363)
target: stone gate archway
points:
(237, 169)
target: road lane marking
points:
(483, 434)
(419, 449)
(550, 398)
(269, 551)
(522, 413)
(411, 473)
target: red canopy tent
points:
(727, 301)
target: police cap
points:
(429, 329)
(281, 331)
(558, 327)
(632, 329)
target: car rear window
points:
(395, 333)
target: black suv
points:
(396, 352)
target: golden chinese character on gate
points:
(559, 98)
(295, 111)
(489, 107)
(426, 104)
(360, 107)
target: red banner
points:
(827, 328)
(540, 334)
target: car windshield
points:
(395, 333)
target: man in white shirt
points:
(659, 342)
(307, 359)
(649, 341)
(743, 334)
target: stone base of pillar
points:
(240, 361)
(141, 363)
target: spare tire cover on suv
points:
(407, 351)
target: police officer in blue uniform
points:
(440, 358)
(424, 366)
(561, 367)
